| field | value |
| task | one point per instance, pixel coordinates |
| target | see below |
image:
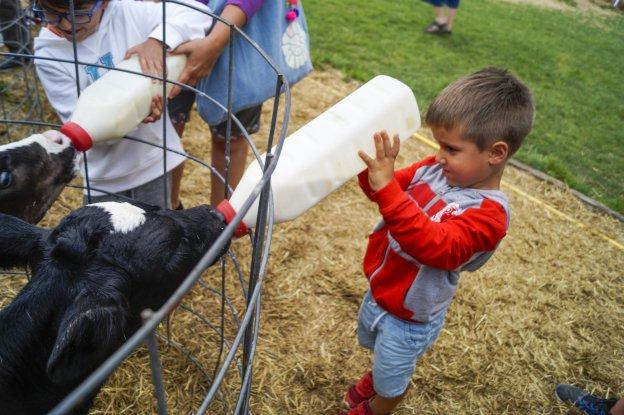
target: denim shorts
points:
(396, 344)
(452, 4)
(179, 108)
(151, 193)
(249, 118)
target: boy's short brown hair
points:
(488, 106)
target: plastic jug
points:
(117, 103)
(322, 155)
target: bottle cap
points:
(228, 211)
(79, 137)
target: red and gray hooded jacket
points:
(429, 233)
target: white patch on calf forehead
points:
(52, 142)
(123, 216)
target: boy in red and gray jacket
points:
(440, 216)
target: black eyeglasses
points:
(53, 17)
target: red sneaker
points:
(362, 391)
(361, 409)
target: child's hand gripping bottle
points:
(117, 103)
(322, 155)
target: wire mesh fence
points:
(21, 99)
(218, 308)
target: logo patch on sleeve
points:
(450, 210)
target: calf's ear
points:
(20, 242)
(90, 331)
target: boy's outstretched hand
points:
(381, 168)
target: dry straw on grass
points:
(545, 309)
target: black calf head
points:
(91, 328)
(59, 328)
(123, 259)
(33, 172)
(92, 276)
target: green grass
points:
(573, 62)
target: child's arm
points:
(403, 176)
(445, 245)
(203, 53)
(182, 25)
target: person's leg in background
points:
(443, 22)
(440, 18)
(238, 159)
(14, 33)
(177, 173)
(250, 119)
(176, 183)
(179, 111)
(452, 12)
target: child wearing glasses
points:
(105, 33)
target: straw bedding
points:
(545, 309)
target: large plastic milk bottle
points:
(322, 155)
(117, 103)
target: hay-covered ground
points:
(545, 309)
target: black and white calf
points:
(33, 172)
(92, 276)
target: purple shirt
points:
(249, 7)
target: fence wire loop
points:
(237, 329)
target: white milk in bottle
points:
(322, 155)
(117, 103)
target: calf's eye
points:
(6, 179)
